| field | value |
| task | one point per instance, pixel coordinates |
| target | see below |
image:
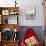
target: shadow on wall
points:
(37, 29)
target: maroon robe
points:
(29, 33)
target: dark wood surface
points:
(9, 43)
(11, 26)
(0, 43)
(9, 8)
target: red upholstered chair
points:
(29, 33)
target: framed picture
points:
(13, 12)
(5, 12)
(30, 13)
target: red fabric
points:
(29, 33)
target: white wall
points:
(23, 4)
(39, 13)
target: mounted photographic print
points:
(30, 13)
(5, 12)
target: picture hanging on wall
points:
(30, 13)
(5, 12)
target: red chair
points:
(29, 33)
